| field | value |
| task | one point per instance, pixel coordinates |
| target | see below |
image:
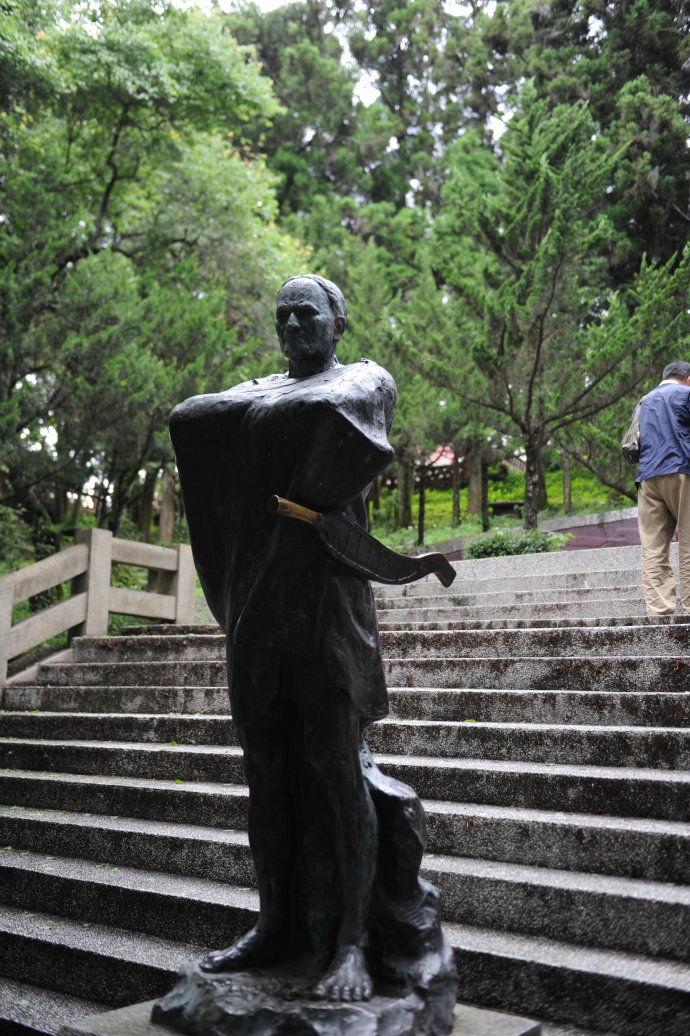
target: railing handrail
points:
(87, 564)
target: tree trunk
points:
(542, 499)
(455, 476)
(145, 506)
(375, 493)
(486, 522)
(405, 482)
(567, 484)
(532, 467)
(422, 503)
(166, 525)
(373, 499)
(474, 488)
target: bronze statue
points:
(336, 845)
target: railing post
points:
(6, 602)
(184, 585)
(95, 582)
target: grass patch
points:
(588, 497)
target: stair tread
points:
(630, 730)
(582, 770)
(392, 688)
(134, 879)
(431, 806)
(628, 966)
(517, 766)
(34, 1006)
(143, 746)
(510, 872)
(229, 789)
(102, 940)
(575, 881)
(444, 762)
(593, 821)
(157, 828)
(633, 730)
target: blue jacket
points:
(665, 431)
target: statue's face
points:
(304, 322)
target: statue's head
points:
(310, 319)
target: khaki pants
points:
(663, 503)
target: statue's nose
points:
(292, 321)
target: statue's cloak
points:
(275, 591)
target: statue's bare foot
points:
(347, 978)
(253, 950)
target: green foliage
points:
(139, 267)
(498, 544)
(16, 547)
(164, 170)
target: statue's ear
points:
(338, 327)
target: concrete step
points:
(666, 748)
(599, 640)
(575, 673)
(105, 698)
(177, 801)
(657, 673)
(600, 559)
(655, 850)
(171, 629)
(550, 642)
(628, 708)
(192, 850)
(631, 993)
(648, 918)
(509, 613)
(623, 993)
(536, 623)
(462, 597)
(37, 1010)
(608, 790)
(610, 912)
(661, 747)
(119, 726)
(526, 581)
(615, 791)
(171, 906)
(128, 759)
(150, 648)
(111, 965)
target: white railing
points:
(85, 612)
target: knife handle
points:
(279, 505)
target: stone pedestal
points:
(277, 1003)
(135, 1020)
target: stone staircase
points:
(542, 719)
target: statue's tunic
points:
(284, 603)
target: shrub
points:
(16, 547)
(499, 544)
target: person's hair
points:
(678, 369)
(336, 299)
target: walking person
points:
(664, 489)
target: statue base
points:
(135, 1020)
(276, 1002)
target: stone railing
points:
(87, 564)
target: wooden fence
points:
(87, 565)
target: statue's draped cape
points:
(318, 441)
